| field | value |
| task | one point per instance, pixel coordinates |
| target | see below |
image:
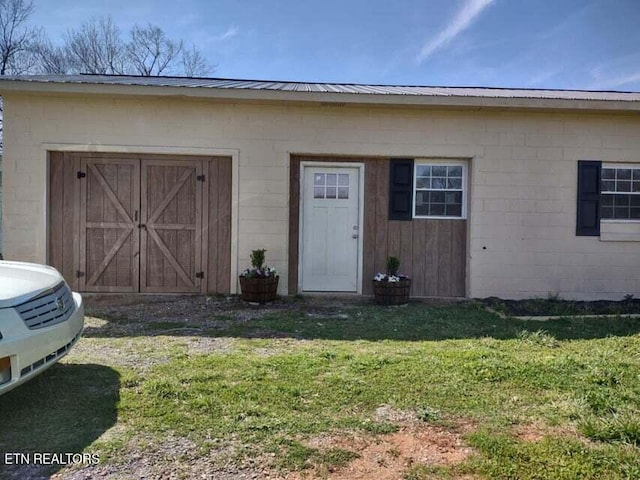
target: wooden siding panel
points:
(382, 216)
(223, 242)
(294, 221)
(444, 258)
(459, 259)
(369, 227)
(419, 257)
(432, 251)
(431, 264)
(56, 199)
(210, 256)
(406, 249)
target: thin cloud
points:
(615, 81)
(230, 32)
(542, 77)
(462, 20)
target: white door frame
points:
(360, 167)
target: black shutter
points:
(588, 221)
(401, 189)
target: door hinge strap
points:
(200, 275)
(200, 178)
(80, 174)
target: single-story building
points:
(157, 184)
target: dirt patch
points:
(184, 315)
(535, 432)
(389, 456)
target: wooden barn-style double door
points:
(141, 223)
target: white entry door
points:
(330, 228)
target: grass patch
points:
(503, 457)
(301, 372)
(293, 455)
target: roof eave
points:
(329, 98)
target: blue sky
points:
(570, 44)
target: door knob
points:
(355, 235)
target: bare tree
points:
(96, 48)
(150, 52)
(51, 59)
(193, 63)
(16, 37)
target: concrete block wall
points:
(523, 171)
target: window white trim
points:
(618, 166)
(444, 163)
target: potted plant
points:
(259, 283)
(391, 288)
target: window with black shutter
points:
(588, 211)
(401, 189)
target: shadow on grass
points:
(414, 322)
(61, 411)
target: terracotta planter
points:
(392, 293)
(259, 290)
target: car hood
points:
(20, 281)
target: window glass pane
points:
(636, 174)
(454, 210)
(343, 179)
(422, 182)
(621, 200)
(423, 170)
(318, 179)
(437, 182)
(454, 171)
(422, 210)
(623, 186)
(438, 171)
(621, 212)
(623, 174)
(454, 183)
(606, 212)
(608, 186)
(343, 192)
(451, 198)
(635, 187)
(422, 198)
(608, 173)
(436, 209)
(437, 197)
(635, 213)
(318, 192)
(606, 200)
(634, 200)
(331, 192)
(332, 179)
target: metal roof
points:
(329, 93)
(340, 88)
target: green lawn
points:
(265, 385)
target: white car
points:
(40, 320)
